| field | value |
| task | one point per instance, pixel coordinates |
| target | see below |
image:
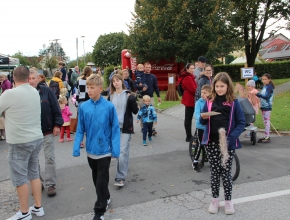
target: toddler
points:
(66, 113)
(140, 77)
(148, 115)
(254, 100)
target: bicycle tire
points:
(236, 171)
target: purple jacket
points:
(6, 84)
(236, 124)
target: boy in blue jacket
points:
(98, 118)
(205, 93)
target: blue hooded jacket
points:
(99, 120)
(236, 125)
(197, 110)
(266, 97)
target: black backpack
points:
(54, 86)
(180, 89)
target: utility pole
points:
(56, 46)
(77, 52)
(84, 49)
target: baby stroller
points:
(250, 116)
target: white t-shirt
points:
(22, 110)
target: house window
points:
(272, 49)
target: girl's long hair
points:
(225, 78)
(112, 87)
(86, 72)
(270, 78)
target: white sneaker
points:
(20, 216)
(214, 206)
(2, 137)
(119, 183)
(229, 207)
(37, 212)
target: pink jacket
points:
(66, 113)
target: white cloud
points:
(27, 25)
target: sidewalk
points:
(256, 200)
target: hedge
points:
(278, 70)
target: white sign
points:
(247, 73)
(170, 80)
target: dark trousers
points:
(200, 146)
(188, 120)
(100, 174)
(147, 126)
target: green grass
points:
(276, 81)
(165, 104)
(280, 113)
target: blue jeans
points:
(147, 126)
(123, 160)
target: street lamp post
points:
(84, 49)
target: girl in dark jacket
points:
(187, 81)
(221, 137)
(125, 105)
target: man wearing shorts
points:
(21, 107)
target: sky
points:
(27, 25)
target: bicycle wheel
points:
(192, 147)
(235, 167)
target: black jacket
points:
(131, 107)
(50, 111)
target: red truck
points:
(160, 69)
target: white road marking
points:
(259, 197)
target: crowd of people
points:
(108, 125)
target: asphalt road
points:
(158, 171)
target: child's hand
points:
(155, 123)
(254, 92)
(140, 84)
(204, 116)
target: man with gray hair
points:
(21, 107)
(51, 121)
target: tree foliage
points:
(22, 59)
(251, 18)
(180, 30)
(107, 49)
(50, 62)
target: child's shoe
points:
(248, 134)
(69, 139)
(264, 140)
(82, 145)
(229, 207)
(195, 167)
(37, 212)
(61, 140)
(2, 137)
(214, 206)
(144, 143)
(150, 138)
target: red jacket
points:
(189, 86)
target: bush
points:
(278, 70)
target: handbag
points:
(73, 124)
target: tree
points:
(54, 49)
(22, 59)
(180, 30)
(50, 62)
(252, 18)
(107, 49)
